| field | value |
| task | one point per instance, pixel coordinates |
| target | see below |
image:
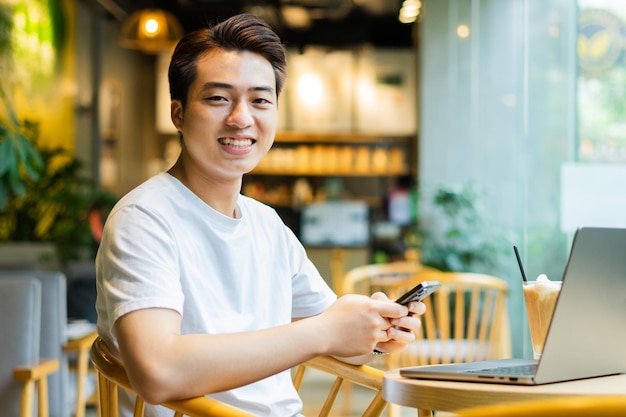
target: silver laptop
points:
(587, 334)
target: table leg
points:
(424, 413)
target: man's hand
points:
(400, 332)
(355, 325)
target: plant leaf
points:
(31, 160)
(4, 197)
(5, 156)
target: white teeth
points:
(237, 143)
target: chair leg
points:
(393, 410)
(107, 392)
(29, 376)
(376, 406)
(82, 368)
(27, 396)
(81, 347)
(347, 398)
(330, 399)
(298, 376)
(140, 405)
(43, 398)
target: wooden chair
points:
(80, 346)
(465, 320)
(566, 406)
(53, 333)
(20, 321)
(389, 278)
(112, 375)
(367, 279)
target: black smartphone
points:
(419, 292)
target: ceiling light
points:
(409, 11)
(463, 31)
(151, 30)
(296, 17)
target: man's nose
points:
(240, 115)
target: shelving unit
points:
(366, 163)
(346, 155)
(363, 166)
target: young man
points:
(204, 291)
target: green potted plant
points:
(44, 197)
(455, 236)
(51, 203)
(19, 158)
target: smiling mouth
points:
(236, 143)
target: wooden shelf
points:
(368, 165)
(372, 202)
(337, 138)
(327, 174)
(346, 154)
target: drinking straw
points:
(519, 262)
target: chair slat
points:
(485, 324)
(465, 320)
(330, 399)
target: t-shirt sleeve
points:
(311, 293)
(139, 264)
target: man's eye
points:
(262, 101)
(215, 98)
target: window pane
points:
(602, 81)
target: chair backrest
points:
(367, 279)
(566, 406)
(112, 376)
(53, 334)
(392, 278)
(466, 320)
(20, 321)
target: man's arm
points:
(163, 365)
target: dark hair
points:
(242, 32)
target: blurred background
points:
(449, 130)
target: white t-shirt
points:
(164, 247)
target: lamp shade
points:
(150, 30)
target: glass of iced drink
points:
(540, 297)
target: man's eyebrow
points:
(216, 84)
(263, 88)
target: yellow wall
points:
(41, 94)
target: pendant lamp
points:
(151, 31)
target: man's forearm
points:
(182, 366)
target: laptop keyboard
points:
(518, 370)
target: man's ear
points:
(176, 113)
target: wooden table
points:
(427, 396)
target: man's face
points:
(230, 119)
